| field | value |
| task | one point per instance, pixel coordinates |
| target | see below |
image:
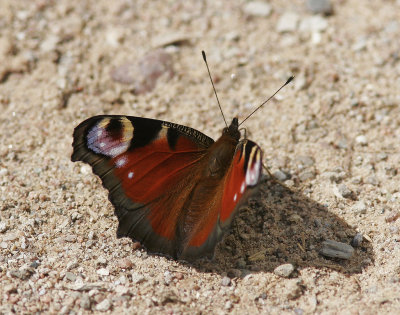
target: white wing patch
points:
(110, 143)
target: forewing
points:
(149, 168)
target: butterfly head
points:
(233, 129)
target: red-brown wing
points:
(149, 168)
(233, 191)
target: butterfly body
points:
(174, 189)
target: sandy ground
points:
(333, 137)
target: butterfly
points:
(174, 189)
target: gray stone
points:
(279, 175)
(344, 191)
(335, 249)
(320, 6)
(284, 270)
(241, 263)
(357, 240)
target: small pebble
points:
(167, 277)
(234, 273)
(122, 290)
(305, 161)
(313, 24)
(85, 169)
(70, 276)
(103, 272)
(335, 249)
(70, 238)
(168, 297)
(23, 273)
(295, 218)
(226, 281)
(343, 143)
(138, 278)
(360, 208)
(392, 216)
(64, 310)
(357, 240)
(3, 227)
(125, 263)
(72, 265)
(300, 83)
(170, 39)
(382, 156)
(241, 263)
(232, 36)
(34, 264)
(3, 172)
(101, 261)
(333, 176)
(284, 270)
(360, 44)
(91, 235)
(10, 237)
(306, 175)
(320, 6)
(344, 191)
(287, 23)
(257, 8)
(10, 288)
(85, 302)
(293, 289)
(103, 306)
(362, 140)
(145, 74)
(298, 311)
(49, 43)
(279, 175)
(372, 180)
(179, 276)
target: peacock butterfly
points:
(174, 189)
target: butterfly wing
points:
(146, 165)
(239, 182)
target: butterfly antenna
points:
(286, 83)
(215, 91)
